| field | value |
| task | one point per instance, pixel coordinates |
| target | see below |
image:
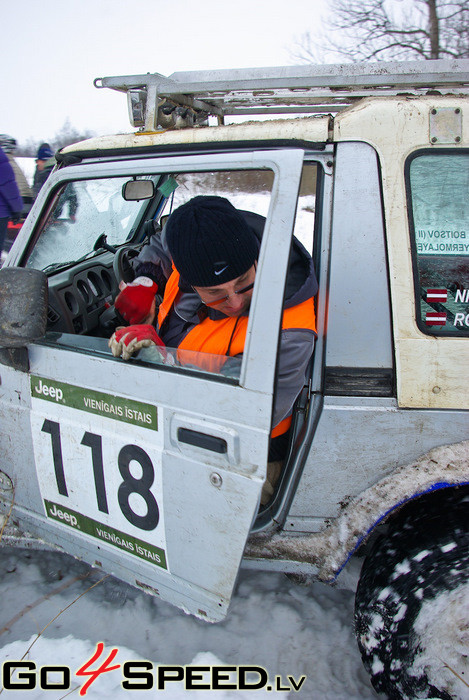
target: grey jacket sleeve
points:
(155, 252)
(296, 348)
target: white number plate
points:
(98, 461)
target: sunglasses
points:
(222, 300)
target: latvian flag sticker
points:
(434, 318)
(434, 295)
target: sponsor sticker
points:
(97, 402)
(128, 543)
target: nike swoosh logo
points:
(220, 271)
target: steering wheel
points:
(109, 319)
(121, 263)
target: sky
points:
(53, 50)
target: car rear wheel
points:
(412, 602)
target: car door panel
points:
(156, 473)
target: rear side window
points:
(438, 193)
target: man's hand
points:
(15, 217)
(136, 301)
(126, 341)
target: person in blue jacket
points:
(11, 202)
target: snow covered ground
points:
(289, 629)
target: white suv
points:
(153, 470)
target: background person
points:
(11, 203)
(45, 162)
(8, 146)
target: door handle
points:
(198, 439)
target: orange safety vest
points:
(227, 336)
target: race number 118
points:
(129, 484)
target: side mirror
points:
(135, 190)
(23, 306)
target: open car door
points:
(151, 470)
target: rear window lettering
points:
(438, 185)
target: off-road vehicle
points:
(153, 470)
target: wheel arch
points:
(443, 489)
(441, 469)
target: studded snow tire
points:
(411, 608)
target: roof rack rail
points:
(187, 98)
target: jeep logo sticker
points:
(97, 402)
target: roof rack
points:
(187, 98)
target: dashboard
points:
(78, 296)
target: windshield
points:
(79, 213)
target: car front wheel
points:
(412, 601)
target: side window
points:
(438, 187)
(248, 190)
(83, 281)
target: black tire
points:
(410, 619)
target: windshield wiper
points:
(53, 267)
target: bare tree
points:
(66, 135)
(364, 30)
(28, 148)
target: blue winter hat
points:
(44, 152)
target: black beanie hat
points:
(210, 242)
